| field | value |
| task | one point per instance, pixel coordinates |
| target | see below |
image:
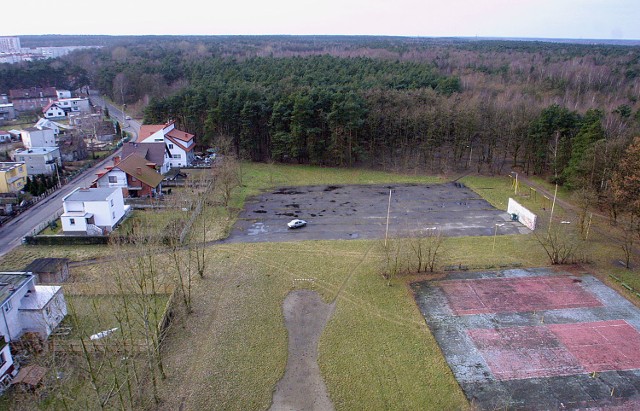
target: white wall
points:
(45, 320)
(525, 216)
(38, 138)
(121, 179)
(10, 324)
(79, 226)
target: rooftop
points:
(36, 150)
(90, 194)
(10, 282)
(137, 166)
(9, 165)
(40, 298)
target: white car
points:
(296, 223)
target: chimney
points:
(116, 160)
(139, 170)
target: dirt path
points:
(302, 387)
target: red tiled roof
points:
(180, 143)
(180, 135)
(147, 130)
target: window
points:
(170, 146)
(113, 179)
(112, 202)
(113, 215)
(3, 359)
(176, 156)
(47, 310)
(8, 306)
(72, 221)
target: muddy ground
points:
(351, 212)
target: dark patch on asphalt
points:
(334, 214)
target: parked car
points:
(296, 223)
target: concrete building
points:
(38, 137)
(13, 177)
(9, 44)
(93, 211)
(27, 307)
(40, 160)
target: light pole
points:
(495, 234)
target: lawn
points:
(376, 351)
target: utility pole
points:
(386, 233)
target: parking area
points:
(536, 339)
(360, 211)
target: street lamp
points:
(495, 234)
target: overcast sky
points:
(579, 19)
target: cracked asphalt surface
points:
(360, 212)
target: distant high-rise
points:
(9, 44)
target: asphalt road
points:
(12, 232)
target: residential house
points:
(179, 144)
(13, 177)
(53, 110)
(155, 153)
(93, 211)
(56, 127)
(5, 136)
(27, 307)
(49, 270)
(38, 137)
(135, 176)
(7, 112)
(32, 99)
(40, 160)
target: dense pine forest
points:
(566, 111)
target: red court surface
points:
(504, 295)
(601, 346)
(558, 349)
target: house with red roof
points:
(178, 144)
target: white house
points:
(56, 127)
(53, 110)
(74, 105)
(93, 211)
(40, 160)
(62, 107)
(27, 307)
(38, 137)
(179, 144)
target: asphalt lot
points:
(360, 211)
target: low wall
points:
(525, 216)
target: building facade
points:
(38, 137)
(13, 177)
(40, 160)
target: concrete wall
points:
(525, 216)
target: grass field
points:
(376, 351)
